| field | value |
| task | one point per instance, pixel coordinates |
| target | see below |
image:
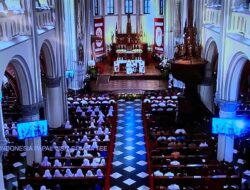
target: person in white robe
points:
(57, 163)
(68, 173)
(79, 173)
(47, 174)
(45, 162)
(99, 173)
(67, 125)
(89, 173)
(57, 173)
(85, 162)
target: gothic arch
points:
(211, 55)
(210, 43)
(49, 59)
(23, 79)
(232, 83)
(208, 88)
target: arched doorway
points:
(17, 89)
(11, 102)
(238, 89)
(51, 86)
(208, 88)
(234, 77)
(45, 58)
(244, 91)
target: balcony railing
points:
(212, 16)
(44, 18)
(12, 26)
(240, 24)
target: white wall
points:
(147, 20)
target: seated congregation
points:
(182, 154)
(79, 152)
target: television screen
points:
(32, 129)
(232, 126)
(69, 74)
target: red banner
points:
(99, 32)
(159, 35)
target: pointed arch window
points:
(161, 7)
(128, 6)
(96, 5)
(110, 7)
(146, 6)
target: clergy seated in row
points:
(68, 173)
(90, 147)
(95, 162)
(94, 102)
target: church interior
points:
(125, 94)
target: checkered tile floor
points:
(129, 164)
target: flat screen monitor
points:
(230, 126)
(32, 129)
(69, 74)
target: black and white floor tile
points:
(129, 166)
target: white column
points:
(119, 24)
(138, 18)
(169, 11)
(226, 142)
(54, 102)
(60, 55)
(33, 145)
(1, 173)
(225, 19)
(3, 143)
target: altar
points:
(128, 51)
(129, 66)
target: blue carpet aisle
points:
(129, 163)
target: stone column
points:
(54, 105)
(3, 143)
(33, 145)
(60, 55)
(138, 17)
(225, 141)
(225, 20)
(119, 23)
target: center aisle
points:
(129, 166)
